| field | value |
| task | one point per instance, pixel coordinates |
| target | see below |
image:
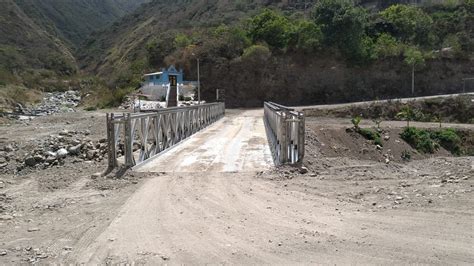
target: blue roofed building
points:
(156, 86)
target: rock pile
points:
(55, 149)
(53, 102)
(70, 146)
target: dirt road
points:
(241, 219)
(237, 142)
(206, 215)
(402, 100)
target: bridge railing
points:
(286, 133)
(137, 137)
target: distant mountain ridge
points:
(45, 34)
(74, 20)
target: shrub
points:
(113, 97)
(419, 139)
(387, 46)
(257, 52)
(356, 121)
(449, 139)
(406, 155)
(181, 40)
(371, 135)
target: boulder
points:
(91, 154)
(62, 153)
(75, 150)
(51, 159)
(8, 148)
(303, 170)
(30, 161)
(50, 154)
(38, 158)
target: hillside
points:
(38, 39)
(74, 20)
(25, 45)
(114, 47)
(301, 58)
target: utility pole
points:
(413, 80)
(199, 83)
(464, 84)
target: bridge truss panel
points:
(286, 133)
(138, 137)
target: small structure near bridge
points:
(167, 85)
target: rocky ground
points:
(347, 202)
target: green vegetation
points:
(367, 133)
(371, 135)
(406, 155)
(406, 114)
(268, 46)
(419, 139)
(356, 121)
(454, 109)
(428, 141)
(449, 139)
(270, 27)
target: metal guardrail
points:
(141, 136)
(286, 133)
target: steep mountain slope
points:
(38, 39)
(115, 46)
(74, 20)
(26, 45)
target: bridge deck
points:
(235, 143)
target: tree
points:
(270, 27)
(406, 114)
(411, 23)
(413, 57)
(228, 42)
(387, 46)
(160, 47)
(181, 40)
(343, 25)
(307, 36)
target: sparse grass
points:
(12, 94)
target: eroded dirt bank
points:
(342, 210)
